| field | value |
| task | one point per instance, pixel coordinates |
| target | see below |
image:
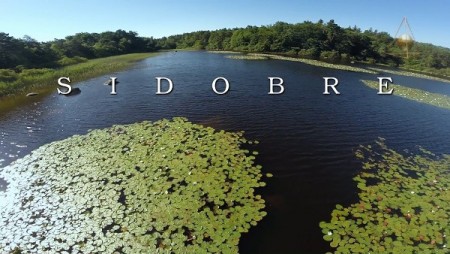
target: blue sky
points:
(48, 19)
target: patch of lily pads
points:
(169, 186)
(248, 57)
(409, 74)
(418, 95)
(223, 52)
(403, 205)
(261, 56)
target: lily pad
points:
(403, 207)
(162, 187)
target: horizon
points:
(177, 17)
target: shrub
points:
(330, 56)
(71, 60)
(292, 53)
(7, 75)
(308, 53)
(345, 58)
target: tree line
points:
(29, 53)
(316, 40)
(325, 41)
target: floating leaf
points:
(139, 188)
(398, 211)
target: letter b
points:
(279, 84)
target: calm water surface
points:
(306, 139)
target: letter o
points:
(227, 85)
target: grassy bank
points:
(369, 69)
(434, 99)
(36, 79)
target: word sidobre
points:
(276, 86)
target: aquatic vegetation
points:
(248, 57)
(403, 205)
(223, 52)
(409, 74)
(162, 187)
(258, 56)
(434, 99)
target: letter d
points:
(158, 79)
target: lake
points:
(307, 139)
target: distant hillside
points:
(324, 41)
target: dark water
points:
(306, 139)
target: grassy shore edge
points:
(39, 80)
(369, 69)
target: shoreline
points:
(409, 73)
(369, 68)
(264, 56)
(39, 80)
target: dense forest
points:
(29, 53)
(325, 41)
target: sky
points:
(45, 20)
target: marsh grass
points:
(261, 56)
(248, 57)
(409, 74)
(223, 52)
(434, 99)
(38, 79)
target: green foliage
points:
(345, 58)
(255, 56)
(331, 56)
(421, 96)
(7, 75)
(32, 79)
(162, 187)
(71, 50)
(247, 57)
(308, 53)
(403, 206)
(71, 60)
(325, 41)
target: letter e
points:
(384, 85)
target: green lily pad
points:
(162, 187)
(403, 207)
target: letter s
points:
(69, 88)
